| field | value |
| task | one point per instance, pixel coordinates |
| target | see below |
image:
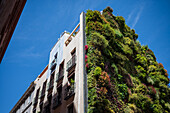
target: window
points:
(59, 90)
(49, 104)
(36, 100)
(57, 97)
(73, 52)
(71, 72)
(71, 81)
(61, 70)
(36, 97)
(53, 65)
(70, 108)
(51, 82)
(42, 96)
(43, 89)
(72, 61)
(70, 89)
(55, 56)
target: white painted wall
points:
(64, 53)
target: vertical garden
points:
(123, 75)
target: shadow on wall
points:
(62, 101)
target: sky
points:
(42, 22)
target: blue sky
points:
(42, 22)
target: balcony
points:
(50, 84)
(71, 62)
(42, 94)
(56, 101)
(35, 100)
(69, 91)
(59, 75)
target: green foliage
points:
(92, 100)
(140, 69)
(115, 68)
(141, 101)
(117, 33)
(131, 108)
(127, 40)
(157, 108)
(131, 81)
(151, 68)
(108, 31)
(123, 90)
(109, 9)
(120, 56)
(94, 26)
(141, 88)
(127, 49)
(119, 77)
(98, 40)
(150, 81)
(94, 57)
(150, 52)
(107, 52)
(91, 81)
(140, 59)
(141, 72)
(97, 71)
(72, 82)
(93, 16)
(121, 21)
(167, 106)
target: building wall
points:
(24, 105)
(10, 11)
(29, 103)
(39, 84)
(77, 42)
(78, 99)
(64, 54)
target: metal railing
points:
(43, 92)
(35, 100)
(56, 101)
(59, 75)
(69, 91)
(71, 62)
(50, 84)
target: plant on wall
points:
(123, 75)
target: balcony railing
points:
(69, 91)
(50, 84)
(35, 100)
(59, 75)
(71, 62)
(42, 94)
(56, 101)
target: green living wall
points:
(123, 75)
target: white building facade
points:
(62, 85)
